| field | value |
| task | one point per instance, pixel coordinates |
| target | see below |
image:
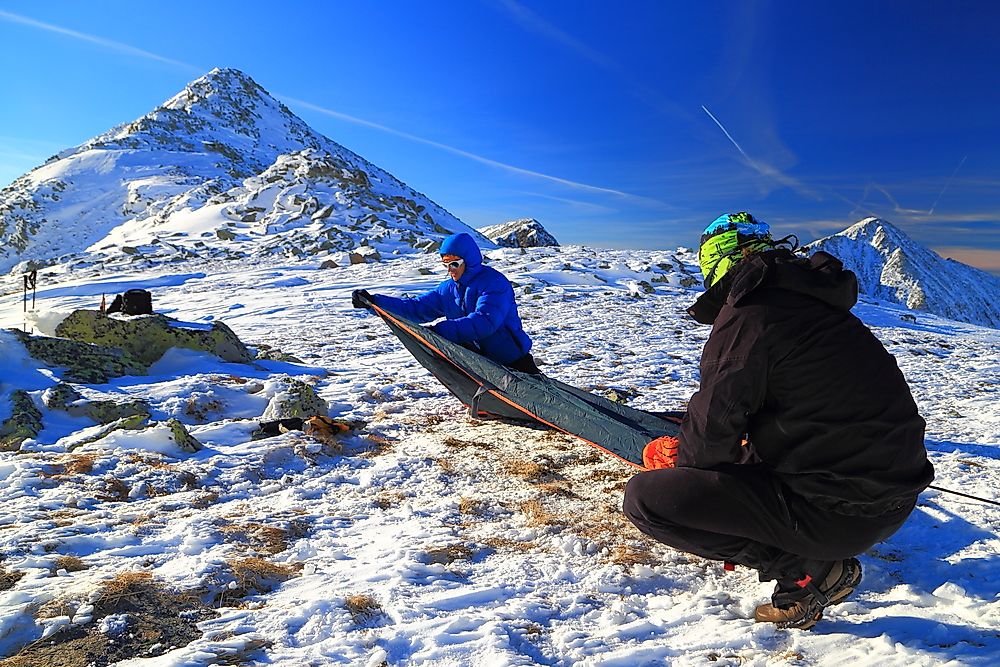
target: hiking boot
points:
(799, 604)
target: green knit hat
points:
(728, 240)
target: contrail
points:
(729, 136)
(765, 169)
(934, 205)
(459, 151)
(107, 43)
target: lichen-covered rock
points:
(145, 338)
(24, 423)
(130, 423)
(297, 399)
(182, 438)
(84, 362)
(268, 353)
(66, 398)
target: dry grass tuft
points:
(445, 465)
(448, 555)
(379, 445)
(115, 490)
(626, 555)
(610, 475)
(364, 608)
(150, 460)
(255, 575)
(529, 470)
(269, 540)
(204, 500)
(458, 443)
(79, 464)
(8, 578)
(558, 488)
(471, 506)
(506, 544)
(537, 515)
(70, 564)
(388, 499)
(125, 587)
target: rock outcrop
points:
(145, 338)
(523, 233)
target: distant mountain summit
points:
(523, 233)
(893, 267)
(222, 169)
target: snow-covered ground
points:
(436, 539)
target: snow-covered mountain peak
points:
(220, 153)
(893, 267)
(521, 233)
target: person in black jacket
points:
(802, 447)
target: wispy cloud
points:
(947, 184)
(572, 203)
(762, 168)
(466, 154)
(93, 39)
(532, 22)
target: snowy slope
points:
(893, 267)
(434, 539)
(522, 233)
(220, 161)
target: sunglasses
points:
(454, 264)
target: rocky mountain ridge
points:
(521, 233)
(891, 266)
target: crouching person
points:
(802, 447)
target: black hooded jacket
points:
(823, 404)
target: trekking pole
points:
(966, 495)
(34, 287)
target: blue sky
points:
(621, 125)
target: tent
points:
(489, 389)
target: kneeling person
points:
(477, 302)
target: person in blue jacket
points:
(477, 302)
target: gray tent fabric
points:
(490, 389)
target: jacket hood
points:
(464, 246)
(821, 276)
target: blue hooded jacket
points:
(479, 307)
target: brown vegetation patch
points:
(448, 554)
(445, 464)
(150, 460)
(364, 608)
(8, 578)
(609, 475)
(79, 464)
(254, 576)
(471, 506)
(627, 555)
(458, 443)
(115, 490)
(204, 500)
(529, 470)
(70, 564)
(388, 499)
(266, 539)
(558, 488)
(506, 544)
(537, 515)
(379, 445)
(158, 621)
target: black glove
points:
(360, 298)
